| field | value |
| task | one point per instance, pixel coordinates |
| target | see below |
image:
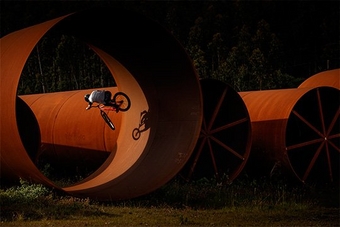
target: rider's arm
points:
(89, 106)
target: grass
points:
(127, 216)
(246, 202)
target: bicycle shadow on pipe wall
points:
(143, 125)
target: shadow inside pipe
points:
(28, 128)
(143, 125)
(222, 149)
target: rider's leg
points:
(107, 98)
(109, 101)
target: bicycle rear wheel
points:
(136, 134)
(122, 100)
(107, 120)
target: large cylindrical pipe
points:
(69, 135)
(225, 139)
(297, 128)
(15, 49)
(329, 78)
(150, 66)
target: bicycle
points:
(120, 102)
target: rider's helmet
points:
(87, 96)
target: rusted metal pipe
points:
(69, 141)
(150, 66)
(298, 129)
(225, 139)
(15, 49)
(327, 78)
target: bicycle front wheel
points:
(107, 120)
(122, 100)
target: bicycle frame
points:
(115, 105)
(103, 109)
(106, 108)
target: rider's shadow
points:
(143, 125)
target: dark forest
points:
(251, 45)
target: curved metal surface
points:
(225, 139)
(75, 150)
(327, 78)
(297, 128)
(150, 66)
(15, 49)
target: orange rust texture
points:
(149, 65)
(56, 112)
(15, 49)
(327, 78)
(287, 123)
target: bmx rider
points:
(99, 96)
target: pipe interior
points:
(28, 128)
(315, 128)
(227, 114)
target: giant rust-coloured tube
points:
(73, 150)
(225, 139)
(329, 78)
(150, 66)
(297, 128)
(15, 49)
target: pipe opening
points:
(224, 144)
(312, 135)
(60, 63)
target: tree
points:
(254, 63)
(194, 49)
(63, 63)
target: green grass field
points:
(246, 202)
